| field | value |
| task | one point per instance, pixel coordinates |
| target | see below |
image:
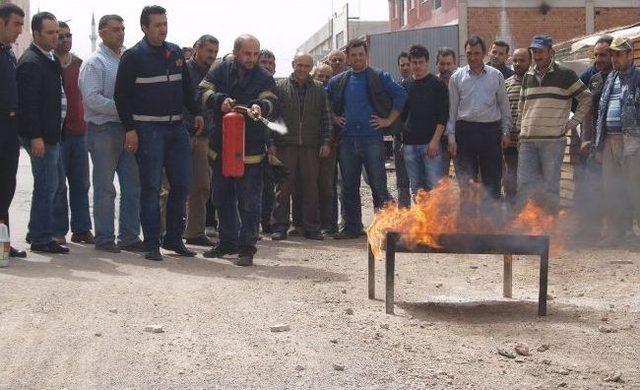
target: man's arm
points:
(29, 79)
(454, 100)
(583, 97)
(267, 99)
(502, 99)
(326, 129)
(91, 83)
(398, 96)
(208, 93)
(188, 93)
(123, 93)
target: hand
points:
(37, 147)
(272, 150)
(505, 141)
(324, 151)
(227, 105)
(433, 149)
(131, 141)
(453, 149)
(599, 157)
(255, 112)
(570, 125)
(585, 148)
(379, 123)
(198, 123)
(338, 120)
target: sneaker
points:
(314, 235)
(60, 240)
(345, 234)
(19, 253)
(200, 241)
(83, 238)
(154, 255)
(279, 236)
(136, 247)
(295, 231)
(108, 247)
(220, 251)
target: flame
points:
(439, 212)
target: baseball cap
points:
(621, 44)
(541, 42)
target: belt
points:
(151, 118)
(249, 160)
(10, 114)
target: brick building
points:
(514, 21)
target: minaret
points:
(93, 37)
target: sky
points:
(280, 25)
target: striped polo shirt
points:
(545, 103)
(514, 86)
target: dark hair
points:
(206, 39)
(445, 51)
(63, 25)
(500, 43)
(403, 54)
(7, 9)
(267, 53)
(36, 21)
(356, 43)
(605, 39)
(107, 18)
(145, 16)
(475, 40)
(418, 51)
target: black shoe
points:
(314, 235)
(245, 259)
(62, 240)
(296, 231)
(220, 251)
(52, 247)
(136, 247)
(154, 255)
(108, 247)
(266, 229)
(346, 235)
(279, 236)
(179, 248)
(13, 252)
(200, 241)
(83, 238)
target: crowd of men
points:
(152, 115)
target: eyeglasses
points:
(63, 36)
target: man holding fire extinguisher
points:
(238, 173)
(152, 87)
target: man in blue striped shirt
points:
(106, 139)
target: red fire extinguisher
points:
(233, 144)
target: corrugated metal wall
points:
(384, 48)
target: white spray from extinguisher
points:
(5, 245)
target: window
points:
(340, 39)
(437, 4)
(404, 12)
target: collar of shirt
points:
(535, 71)
(104, 48)
(201, 69)
(484, 70)
(46, 53)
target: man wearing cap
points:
(545, 104)
(618, 140)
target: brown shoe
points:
(83, 238)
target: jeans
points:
(75, 160)
(46, 171)
(539, 166)
(356, 152)
(238, 203)
(402, 175)
(9, 155)
(327, 194)
(108, 155)
(168, 146)
(424, 172)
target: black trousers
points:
(479, 152)
(9, 154)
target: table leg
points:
(372, 273)
(390, 257)
(544, 275)
(507, 282)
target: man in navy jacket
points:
(152, 89)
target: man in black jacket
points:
(239, 82)
(152, 88)
(11, 22)
(40, 102)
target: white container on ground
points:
(5, 245)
